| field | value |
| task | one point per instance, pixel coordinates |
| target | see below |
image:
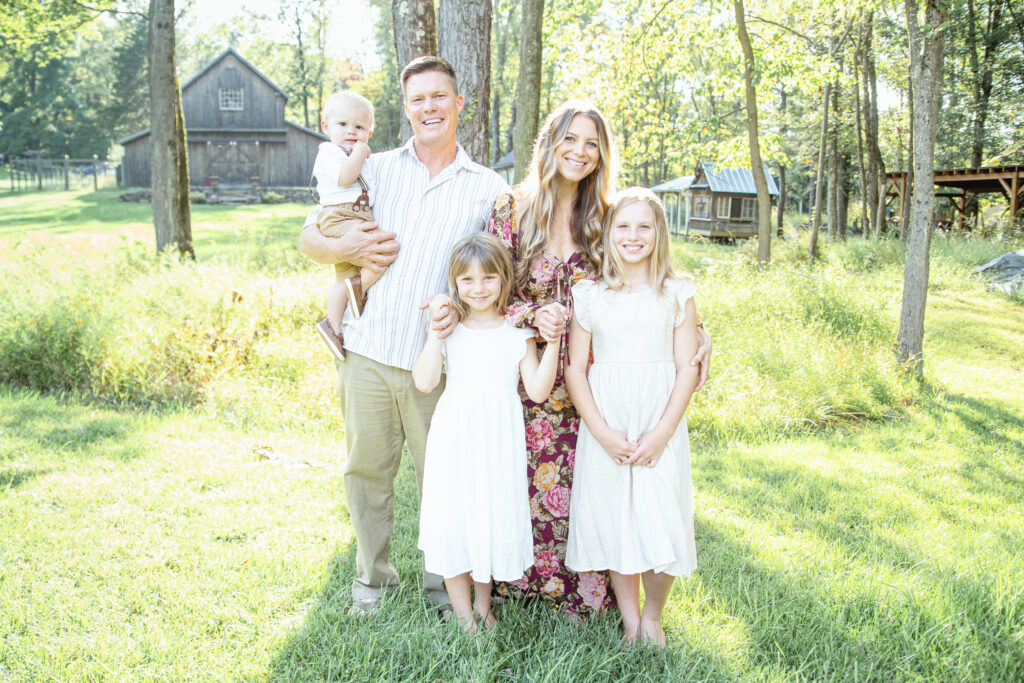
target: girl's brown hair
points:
(488, 251)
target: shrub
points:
(271, 197)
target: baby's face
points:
(348, 124)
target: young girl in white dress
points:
(631, 510)
(475, 510)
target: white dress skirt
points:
(632, 518)
(475, 511)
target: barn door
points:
(234, 163)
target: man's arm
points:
(363, 246)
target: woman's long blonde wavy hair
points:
(661, 268)
(536, 195)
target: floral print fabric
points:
(551, 432)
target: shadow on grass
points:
(41, 432)
(949, 628)
(407, 641)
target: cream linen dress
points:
(631, 518)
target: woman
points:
(552, 227)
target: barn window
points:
(747, 212)
(700, 207)
(231, 99)
(722, 206)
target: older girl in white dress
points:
(475, 511)
(632, 501)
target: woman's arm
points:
(539, 376)
(613, 441)
(684, 345)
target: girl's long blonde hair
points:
(492, 255)
(536, 195)
(661, 268)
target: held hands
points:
(550, 322)
(645, 452)
(443, 316)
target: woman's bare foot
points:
(486, 620)
(652, 632)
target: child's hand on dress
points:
(649, 448)
(616, 445)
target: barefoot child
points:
(344, 203)
(631, 509)
(475, 513)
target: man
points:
(428, 194)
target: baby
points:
(344, 203)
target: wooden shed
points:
(723, 201)
(236, 131)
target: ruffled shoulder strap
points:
(681, 291)
(582, 292)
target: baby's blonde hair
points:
(492, 255)
(346, 98)
(661, 268)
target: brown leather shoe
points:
(334, 341)
(356, 298)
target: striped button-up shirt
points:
(428, 216)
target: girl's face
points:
(634, 234)
(579, 154)
(479, 290)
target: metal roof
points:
(506, 161)
(736, 180)
(680, 184)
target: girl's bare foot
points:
(486, 620)
(652, 632)
(630, 634)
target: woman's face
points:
(579, 154)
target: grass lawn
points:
(177, 510)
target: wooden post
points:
(67, 179)
(95, 184)
(39, 173)
(1014, 190)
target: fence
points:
(38, 174)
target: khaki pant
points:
(383, 409)
(336, 220)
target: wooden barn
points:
(723, 202)
(236, 131)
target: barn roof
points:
(307, 130)
(735, 180)
(243, 60)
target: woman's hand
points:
(550, 322)
(650, 447)
(443, 316)
(616, 445)
(702, 359)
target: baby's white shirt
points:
(326, 170)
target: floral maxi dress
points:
(551, 433)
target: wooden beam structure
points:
(970, 182)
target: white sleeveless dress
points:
(475, 511)
(630, 518)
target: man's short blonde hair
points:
(346, 98)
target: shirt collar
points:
(461, 162)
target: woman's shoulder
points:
(504, 205)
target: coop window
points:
(230, 99)
(700, 207)
(722, 206)
(747, 210)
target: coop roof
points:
(735, 180)
(680, 184)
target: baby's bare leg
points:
(337, 300)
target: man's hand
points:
(361, 247)
(443, 316)
(703, 357)
(550, 322)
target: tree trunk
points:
(865, 221)
(464, 39)
(981, 71)
(415, 36)
(816, 221)
(926, 52)
(911, 132)
(528, 87)
(876, 167)
(764, 200)
(783, 130)
(172, 218)
(834, 181)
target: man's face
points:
(432, 107)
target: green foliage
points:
(271, 197)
